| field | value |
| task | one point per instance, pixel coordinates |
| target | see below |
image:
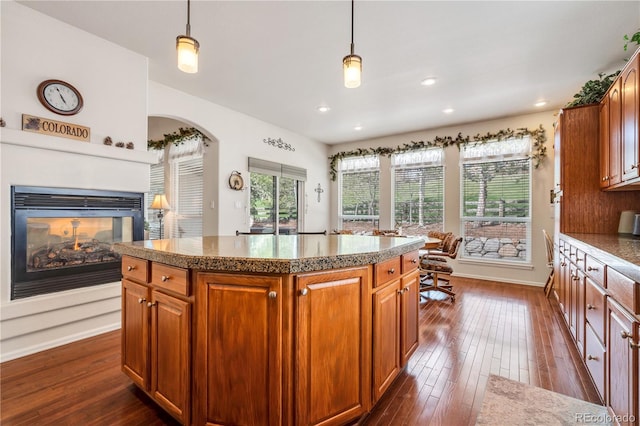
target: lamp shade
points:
(352, 65)
(187, 48)
(160, 202)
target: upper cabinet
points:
(619, 130)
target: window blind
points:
(360, 193)
(271, 168)
(186, 202)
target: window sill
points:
(512, 265)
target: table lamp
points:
(161, 204)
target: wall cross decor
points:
(319, 190)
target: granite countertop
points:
(619, 251)
(271, 253)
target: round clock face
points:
(60, 97)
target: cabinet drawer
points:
(386, 271)
(410, 261)
(135, 269)
(170, 278)
(595, 269)
(596, 308)
(624, 290)
(595, 358)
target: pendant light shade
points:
(188, 48)
(352, 63)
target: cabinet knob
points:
(633, 345)
(579, 260)
(164, 278)
(591, 357)
(625, 334)
(591, 268)
(151, 304)
(576, 278)
(130, 268)
(273, 295)
(304, 292)
(590, 306)
(563, 264)
(142, 300)
(606, 178)
(414, 261)
(391, 271)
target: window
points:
(496, 194)
(359, 193)
(419, 191)
(274, 193)
(183, 187)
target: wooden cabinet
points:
(156, 340)
(630, 118)
(239, 349)
(409, 306)
(623, 373)
(333, 355)
(610, 137)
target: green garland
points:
(538, 152)
(177, 138)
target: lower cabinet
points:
(623, 360)
(156, 342)
(333, 355)
(238, 369)
(395, 329)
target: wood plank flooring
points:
(492, 328)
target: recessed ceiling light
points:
(429, 81)
(448, 110)
(540, 103)
(323, 108)
(357, 127)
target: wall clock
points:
(60, 97)
(235, 181)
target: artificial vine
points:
(178, 138)
(538, 151)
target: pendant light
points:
(187, 48)
(352, 63)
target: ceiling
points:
(278, 60)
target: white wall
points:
(35, 48)
(542, 182)
(237, 137)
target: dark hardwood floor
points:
(492, 328)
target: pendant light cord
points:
(352, 8)
(189, 18)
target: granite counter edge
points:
(275, 266)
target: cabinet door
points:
(409, 307)
(135, 332)
(615, 134)
(170, 354)
(621, 363)
(605, 143)
(333, 356)
(562, 280)
(630, 101)
(386, 337)
(238, 370)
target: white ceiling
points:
(278, 60)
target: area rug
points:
(507, 402)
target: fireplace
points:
(63, 238)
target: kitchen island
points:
(269, 330)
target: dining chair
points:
(435, 271)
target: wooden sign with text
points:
(45, 126)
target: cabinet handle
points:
(606, 178)
(391, 271)
(579, 260)
(151, 304)
(130, 268)
(142, 300)
(563, 264)
(399, 292)
(592, 358)
(576, 278)
(590, 307)
(592, 268)
(165, 278)
(633, 345)
(625, 334)
(273, 295)
(414, 261)
(304, 292)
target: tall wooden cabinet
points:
(630, 117)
